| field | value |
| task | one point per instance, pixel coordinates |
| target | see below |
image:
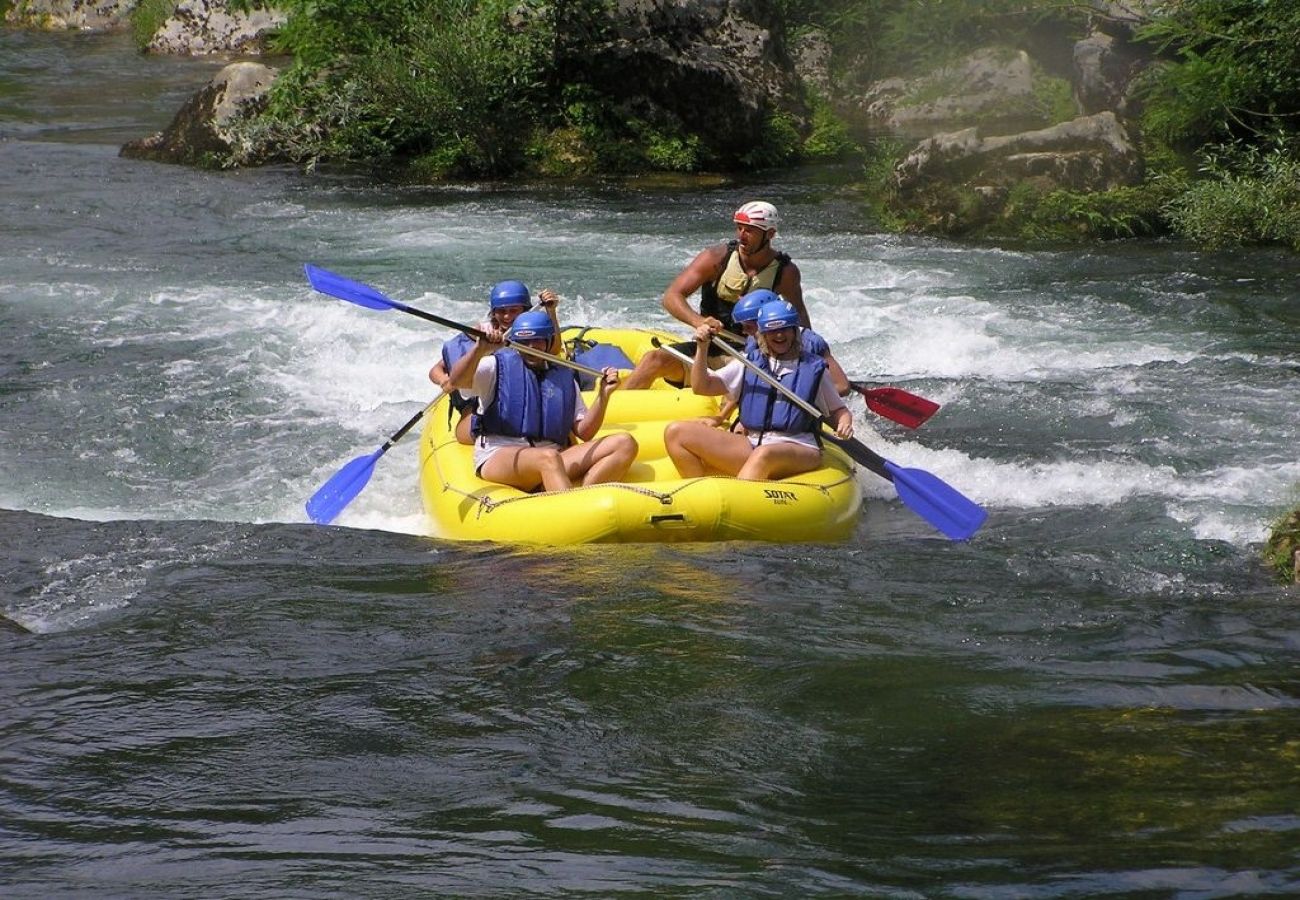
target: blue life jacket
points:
(455, 348)
(600, 356)
(452, 351)
(763, 408)
(528, 406)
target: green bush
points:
(146, 19)
(1234, 71)
(779, 144)
(1064, 216)
(829, 139)
(1283, 542)
(1250, 195)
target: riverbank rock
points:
(200, 27)
(962, 181)
(994, 88)
(57, 15)
(1090, 153)
(718, 67)
(206, 129)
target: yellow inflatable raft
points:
(654, 504)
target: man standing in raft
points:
(780, 439)
(723, 274)
(529, 410)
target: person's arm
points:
(462, 373)
(438, 375)
(706, 267)
(586, 427)
(703, 381)
(790, 286)
(549, 300)
(838, 378)
(842, 420)
(830, 403)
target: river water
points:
(204, 695)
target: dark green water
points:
(202, 695)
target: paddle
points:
(364, 295)
(335, 494)
(901, 406)
(927, 495)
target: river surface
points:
(202, 694)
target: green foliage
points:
(147, 18)
(597, 136)
(779, 144)
(1250, 195)
(829, 139)
(1235, 70)
(1283, 542)
(455, 84)
(1063, 216)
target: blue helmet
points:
(533, 325)
(777, 315)
(509, 293)
(747, 307)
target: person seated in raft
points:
(529, 409)
(506, 301)
(745, 314)
(780, 439)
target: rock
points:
(812, 60)
(718, 67)
(205, 130)
(199, 27)
(1122, 18)
(56, 15)
(993, 88)
(1090, 153)
(1104, 68)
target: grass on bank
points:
(1283, 543)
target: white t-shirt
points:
(733, 375)
(484, 388)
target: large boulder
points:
(995, 88)
(1090, 153)
(206, 129)
(717, 67)
(1104, 70)
(199, 27)
(56, 15)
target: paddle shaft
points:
(861, 452)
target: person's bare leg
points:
(699, 449)
(655, 364)
(600, 461)
(780, 460)
(527, 467)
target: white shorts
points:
(486, 447)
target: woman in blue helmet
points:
(506, 301)
(745, 314)
(780, 438)
(529, 412)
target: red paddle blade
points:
(903, 407)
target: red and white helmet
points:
(757, 213)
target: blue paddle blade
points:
(940, 504)
(346, 289)
(332, 496)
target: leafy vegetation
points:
(1283, 544)
(147, 17)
